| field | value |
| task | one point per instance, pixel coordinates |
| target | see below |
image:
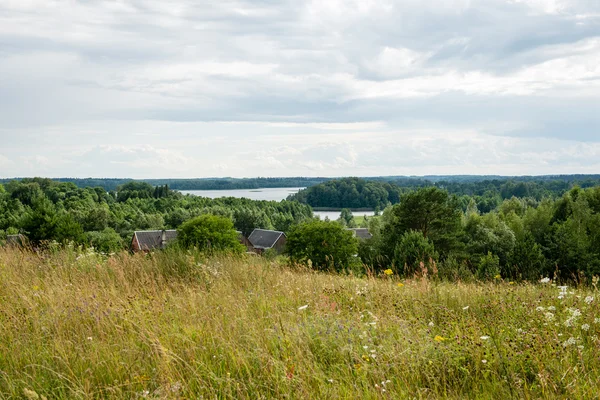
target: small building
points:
(16, 240)
(244, 240)
(262, 240)
(152, 240)
(361, 233)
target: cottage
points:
(244, 240)
(361, 233)
(262, 240)
(151, 240)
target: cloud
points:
(187, 88)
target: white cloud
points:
(237, 87)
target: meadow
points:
(175, 325)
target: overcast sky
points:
(193, 88)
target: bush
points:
(413, 249)
(489, 267)
(209, 232)
(328, 245)
(106, 241)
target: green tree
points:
(412, 250)
(209, 232)
(106, 241)
(431, 211)
(346, 218)
(327, 244)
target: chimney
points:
(163, 239)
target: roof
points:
(264, 239)
(148, 240)
(362, 233)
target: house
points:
(262, 240)
(151, 240)
(16, 240)
(244, 240)
(361, 233)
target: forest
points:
(44, 209)
(548, 231)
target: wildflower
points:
(561, 297)
(89, 338)
(497, 276)
(589, 299)
(439, 338)
(539, 309)
(569, 342)
(585, 327)
(545, 280)
(304, 307)
(431, 323)
(388, 272)
(330, 380)
(511, 283)
(575, 312)
(580, 347)
(549, 316)
(569, 322)
(597, 320)
(563, 289)
(484, 361)
(400, 284)
(465, 307)
(551, 308)
(484, 337)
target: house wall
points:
(280, 244)
(135, 246)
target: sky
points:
(246, 88)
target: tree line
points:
(378, 193)
(46, 210)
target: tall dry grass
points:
(180, 325)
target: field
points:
(180, 325)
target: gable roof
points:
(148, 240)
(361, 233)
(264, 239)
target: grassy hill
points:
(180, 325)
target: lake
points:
(270, 194)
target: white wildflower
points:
(580, 347)
(597, 320)
(539, 309)
(585, 327)
(589, 299)
(563, 289)
(304, 307)
(545, 280)
(575, 312)
(466, 308)
(549, 316)
(551, 308)
(560, 297)
(431, 323)
(484, 337)
(484, 361)
(569, 322)
(569, 342)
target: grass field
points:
(178, 325)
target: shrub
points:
(209, 232)
(328, 245)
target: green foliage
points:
(431, 211)
(489, 267)
(106, 241)
(346, 218)
(349, 193)
(209, 232)
(327, 244)
(413, 249)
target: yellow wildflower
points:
(439, 339)
(388, 272)
(497, 276)
(400, 284)
(511, 283)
